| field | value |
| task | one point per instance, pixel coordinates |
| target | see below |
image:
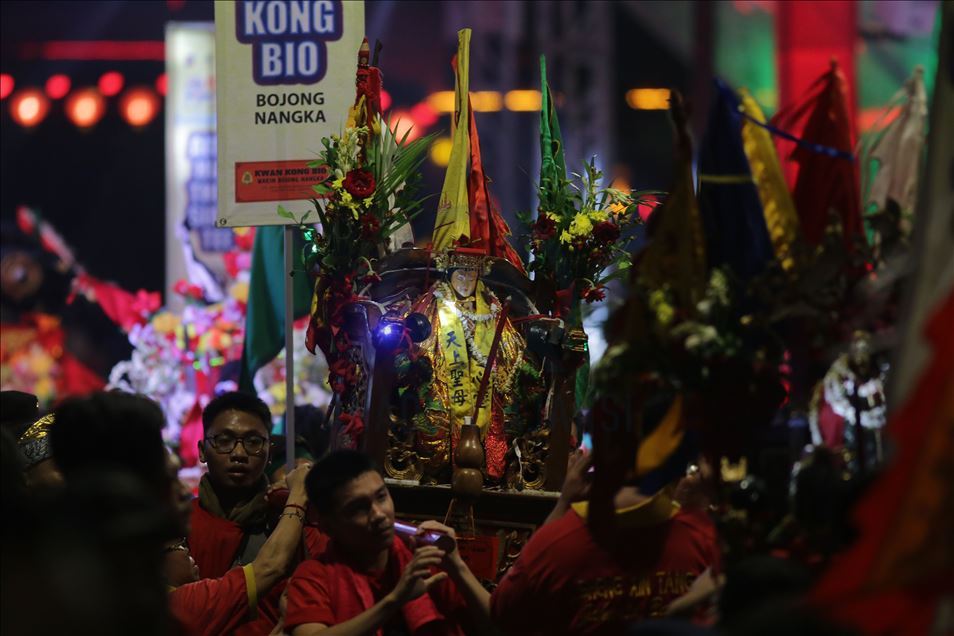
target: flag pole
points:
(289, 349)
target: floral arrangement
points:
(367, 200)
(579, 239)
(684, 347)
(178, 360)
(30, 356)
(369, 195)
(723, 357)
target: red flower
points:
(370, 226)
(544, 227)
(359, 183)
(606, 232)
(593, 294)
(187, 289)
(342, 373)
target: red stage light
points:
(385, 100)
(6, 85)
(111, 83)
(57, 86)
(139, 106)
(85, 107)
(423, 115)
(401, 123)
(128, 50)
(162, 84)
(29, 107)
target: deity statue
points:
(439, 379)
(850, 401)
(464, 315)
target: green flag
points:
(553, 198)
(552, 161)
(265, 317)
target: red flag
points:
(891, 580)
(488, 230)
(824, 183)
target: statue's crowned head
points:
(463, 267)
(464, 282)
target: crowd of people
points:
(100, 536)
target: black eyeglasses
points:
(224, 443)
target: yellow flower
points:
(277, 391)
(581, 225)
(44, 388)
(617, 208)
(336, 184)
(165, 322)
(367, 202)
(597, 216)
(41, 364)
(659, 303)
(346, 198)
(565, 237)
(239, 291)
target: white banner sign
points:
(194, 244)
(285, 79)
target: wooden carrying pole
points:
(491, 357)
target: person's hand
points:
(452, 558)
(576, 484)
(694, 491)
(277, 485)
(416, 579)
(296, 478)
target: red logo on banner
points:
(277, 180)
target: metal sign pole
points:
(289, 349)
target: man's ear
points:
(201, 445)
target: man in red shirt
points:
(565, 583)
(230, 516)
(229, 603)
(367, 582)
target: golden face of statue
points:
(464, 282)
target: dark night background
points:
(104, 188)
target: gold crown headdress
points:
(34, 443)
(462, 258)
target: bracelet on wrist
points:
(296, 515)
(291, 505)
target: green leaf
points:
(285, 214)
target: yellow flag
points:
(453, 213)
(662, 442)
(777, 205)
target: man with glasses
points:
(230, 520)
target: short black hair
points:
(236, 401)
(112, 431)
(331, 473)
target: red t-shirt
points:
(214, 606)
(328, 591)
(214, 543)
(564, 583)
